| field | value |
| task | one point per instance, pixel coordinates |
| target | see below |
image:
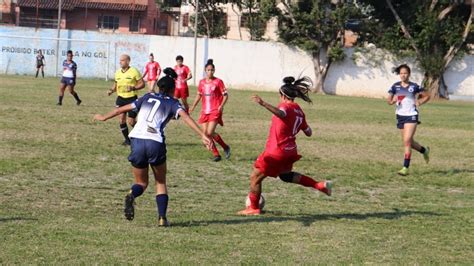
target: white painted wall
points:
(241, 64)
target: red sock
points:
(219, 140)
(309, 182)
(254, 199)
(215, 151)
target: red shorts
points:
(214, 116)
(181, 93)
(151, 78)
(272, 165)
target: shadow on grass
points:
(454, 171)
(308, 219)
(13, 219)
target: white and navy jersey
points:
(406, 98)
(154, 112)
(69, 69)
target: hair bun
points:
(210, 61)
(288, 80)
(169, 72)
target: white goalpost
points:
(18, 55)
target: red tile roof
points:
(137, 5)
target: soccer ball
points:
(261, 202)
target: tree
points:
(256, 13)
(212, 20)
(317, 26)
(435, 32)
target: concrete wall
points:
(241, 64)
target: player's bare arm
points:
(192, 124)
(274, 110)
(224, 100)
(423, 97)
(113, 113)
(195, 103)
(140, 85)
(391, 100)
(113, 89)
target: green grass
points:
(63, 179)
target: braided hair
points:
(166, 84)
(296, 88)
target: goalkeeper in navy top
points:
(68, 79)
(408, 97)
(148, 141)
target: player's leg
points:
(256, 179)
(62, 88)
(37, 70)
(73, 93)
(211, 131)
(205, 128)
(124, 128)
(185, 103)
(42, 71)
(306, 181)
(162, 198)
(425, 151)
(407, 135)
(138, 159)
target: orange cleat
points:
(249, 211)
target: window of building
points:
(134, 24)
(244, 20)
(186, 20)
(108, 22)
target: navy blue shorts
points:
(68, 81)
(402, 120)
(147, 152)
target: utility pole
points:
(58, 35)
(195, 41)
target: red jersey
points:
(282, 138)
(183, 73)
(212, 93)
(153, 70)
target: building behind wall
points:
(121, 16)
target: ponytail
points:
(167, 83)
(296, 88)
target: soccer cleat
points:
(327, 189)
(217, 158)
(79, 102)
(162, 221)
(129, 210)
(403, 171)
(227, 153)
(249, 211)
(126, 142)
(426, 154)
(59, 104)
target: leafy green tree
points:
(434, 32)
(317, 26)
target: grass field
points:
(63, 179)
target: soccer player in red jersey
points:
(281, 150)
(184, 74)
(213, 93)
(152, 72)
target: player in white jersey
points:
(68, 79)
(408, 97)
(155, 110)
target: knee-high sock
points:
(254, 200)
(162, 204)
(217, 138)
(124, 129)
